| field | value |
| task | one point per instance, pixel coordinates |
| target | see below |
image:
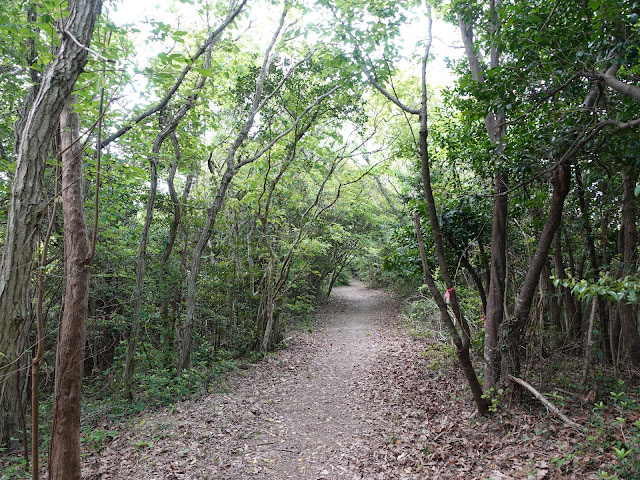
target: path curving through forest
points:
(295, 415)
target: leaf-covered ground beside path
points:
(357, 398)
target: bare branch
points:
(550, 406)
(211, 40)
(616, 84)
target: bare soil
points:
(356, 398)
(294, 415)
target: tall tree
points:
(461, 339)
(64, 462)
(25, 208)
(259, 99)
(496, 129)
(167, 130)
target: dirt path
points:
(294, 416)
(357, 398)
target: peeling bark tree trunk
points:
(64, 462)
(26, 203)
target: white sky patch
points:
(263, 20)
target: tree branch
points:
(613, 82)
(211, 40)
(550, 406)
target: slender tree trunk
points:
(267, 305)
(461, 342)
(561, 184)
(474, 276)
(167, 131)
(497, 285)
(40, 338)
(336, 274)
(64, 463)
(605, 307)
(588, 346)
(496, 129)
(570, 300)
(614, 335)
(461, 346)
(577, 271)
(173, 290)
(138, 291)
(586, 223)
(554, 304)
(175, 224)
(434, 223)
(184, 348)
(26, 205)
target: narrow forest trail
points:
(295, 415)
(357, 398)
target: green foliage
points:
(17, 468)
(333, 198)
(612, 289)
(95, 439)
(494, 396)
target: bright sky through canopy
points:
(446, 43)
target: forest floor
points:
(355, 398)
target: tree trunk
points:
(138, 290)
(561, 184)
(461, 346)
(184, 348)
(175, 224)
(64, 463)
(174, 292)
(629, 311)
(604, 306)
(570, 300)
(232, 168)
(496, 129)
(496, 294)
(586, 223)
(464, 261)
(25, 207)
(168, 130)
(554, 304)
(577, 271)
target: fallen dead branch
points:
(550, 406)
